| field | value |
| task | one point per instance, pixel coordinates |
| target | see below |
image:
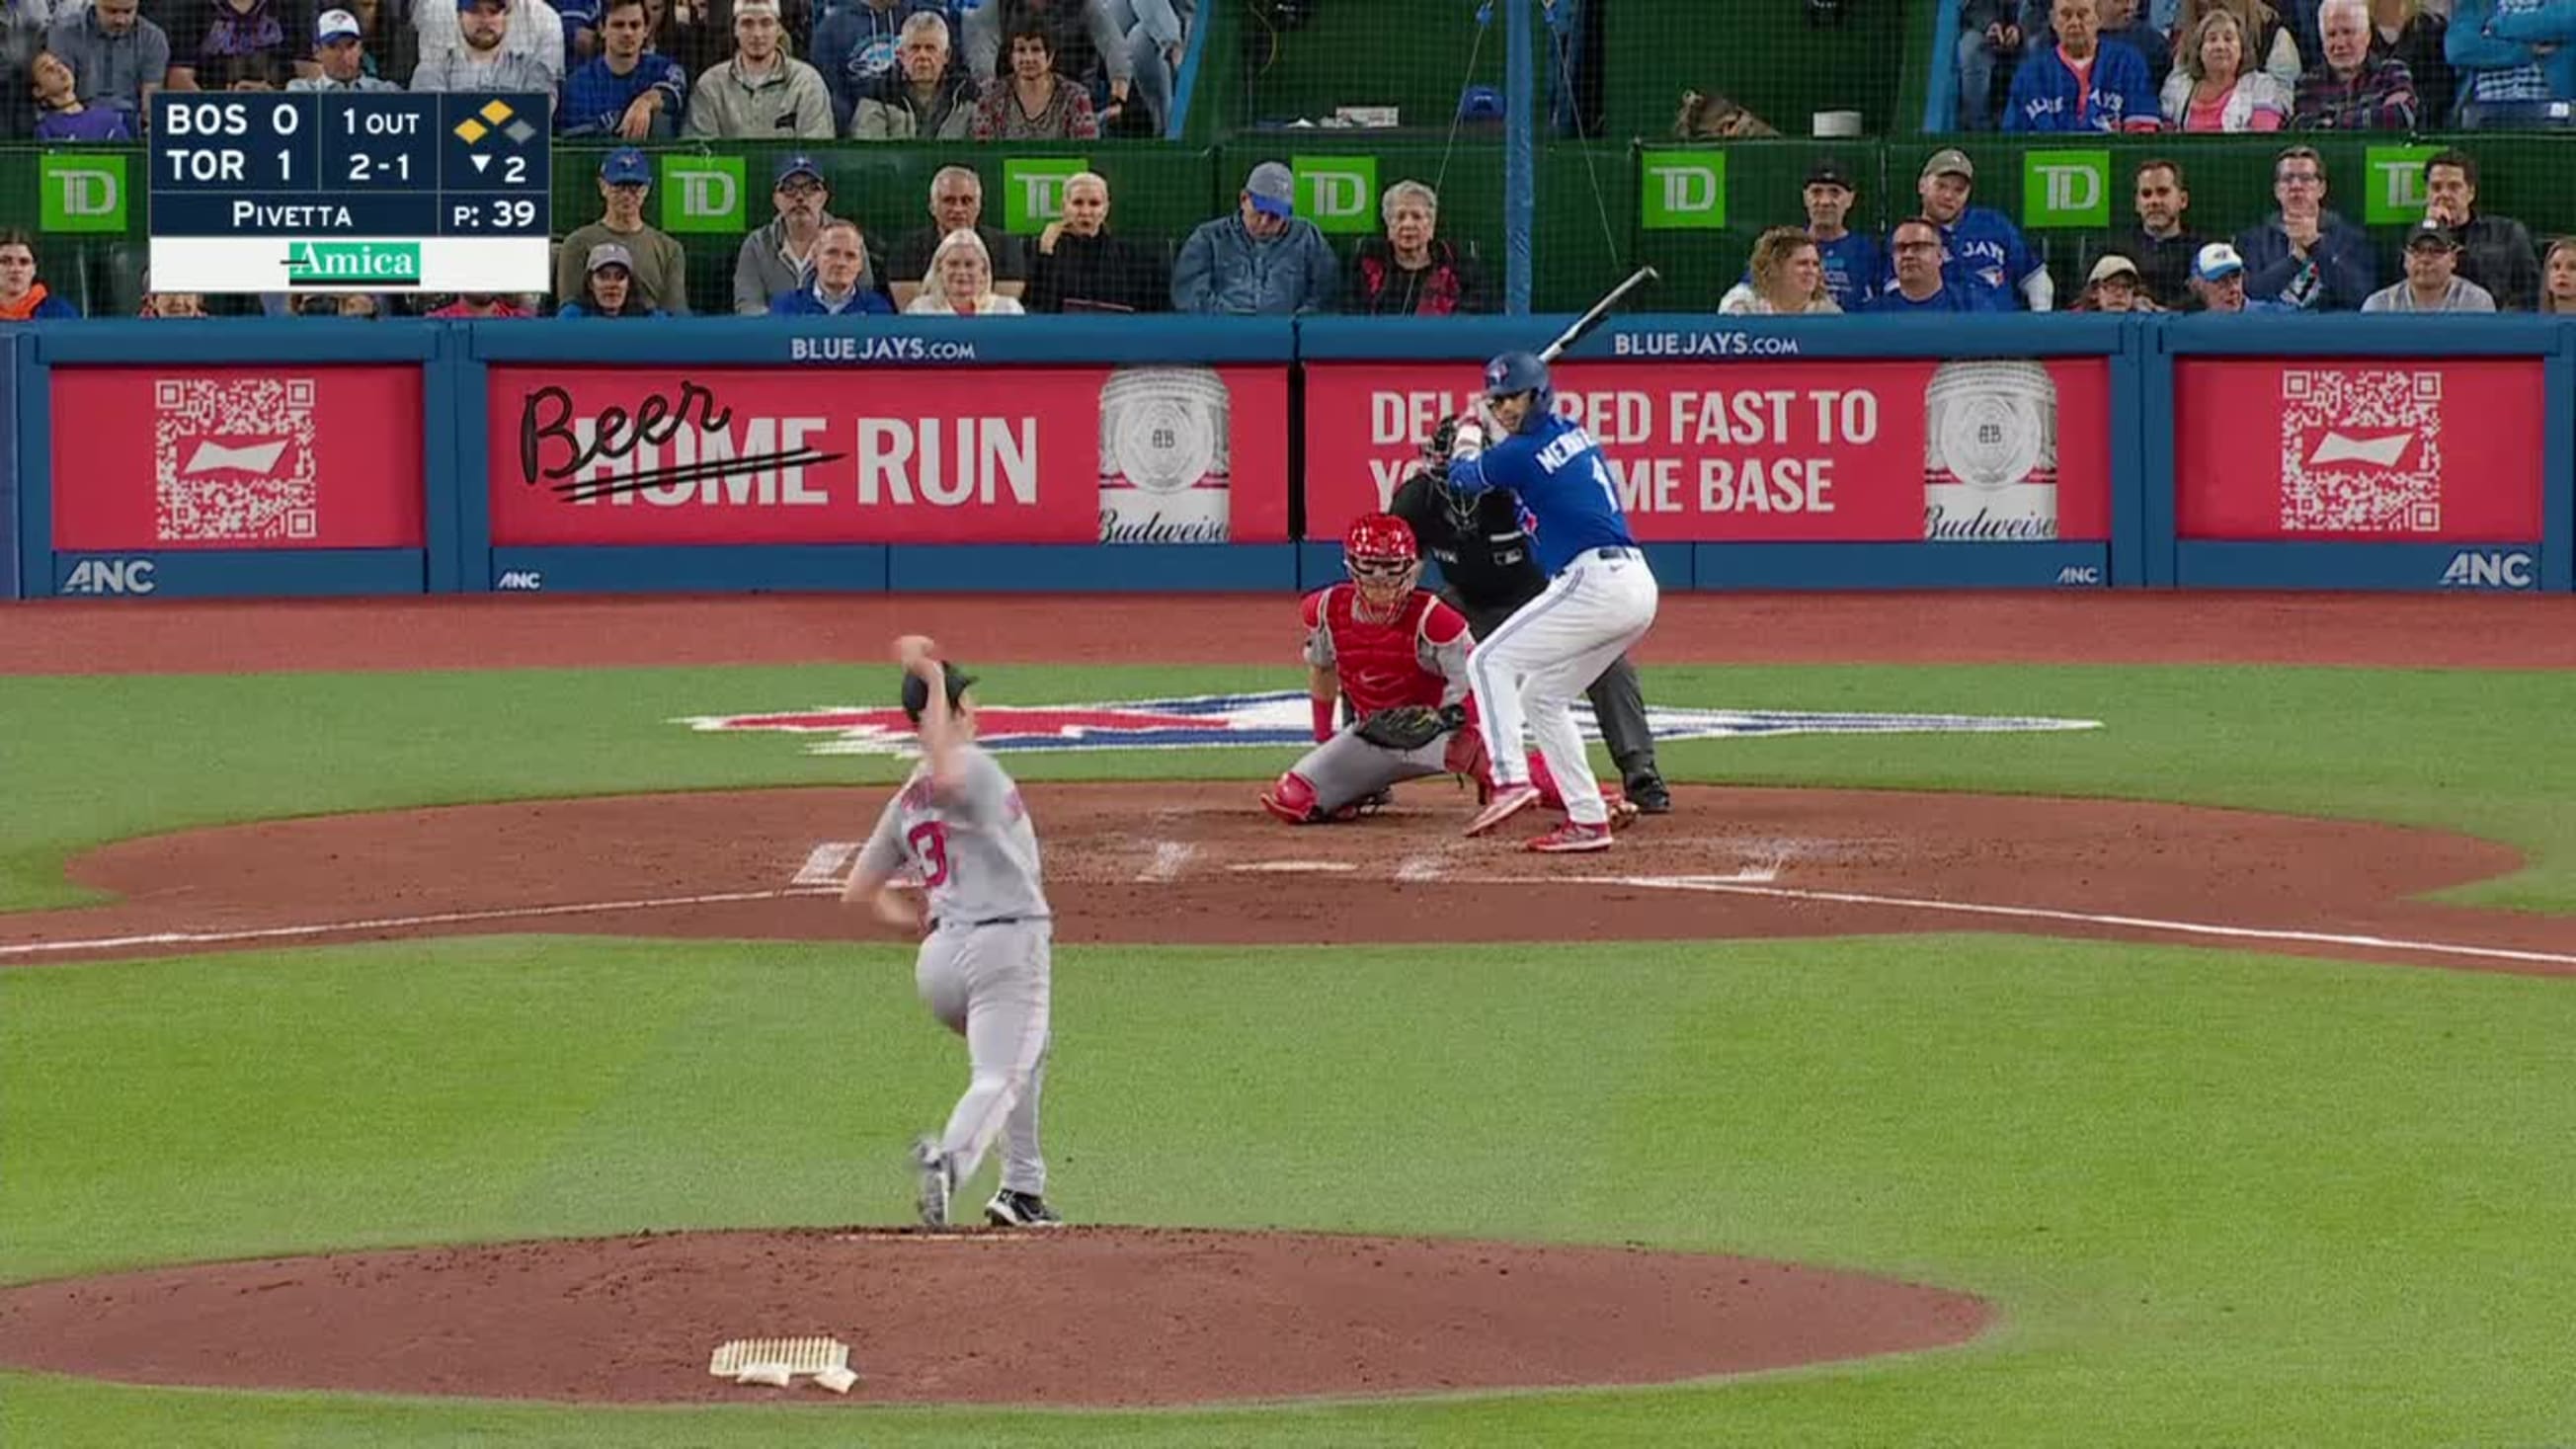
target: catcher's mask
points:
(1379, 554)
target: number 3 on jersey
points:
(928, 842)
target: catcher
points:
(1399, 655)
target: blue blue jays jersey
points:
(1565, 486)
(1954, 296)
(1987, 255)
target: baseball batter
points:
(1600, 597)
(985, 966)
(1398, 655)
(1489, 572)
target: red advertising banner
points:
(1836, 452)
(177, 457)
(1150, 454)
(2402, 448)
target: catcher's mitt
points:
(1409, 726)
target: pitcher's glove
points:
(1410, 726)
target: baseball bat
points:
(1584, 324)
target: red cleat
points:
(1508, 801)
(1570, 837)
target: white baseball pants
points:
(1545, 655)
(990, 984)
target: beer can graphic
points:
(1166, 453)
(1990, 453)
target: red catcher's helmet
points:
(1380, 556)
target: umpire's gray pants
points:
(990, 984)
(1618, 700)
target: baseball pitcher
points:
(1489, 571)
(985, 966)
(1399, 656)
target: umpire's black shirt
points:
(1484, 556)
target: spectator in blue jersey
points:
(627, 92)
(2354, 89)
(1852, 261)
(63, 116)
(2512, 56)
(2305, 256)
(840, 264)
(1922, 283)
(2083, 82)
(1988, 257)
(1786, 278)
(1263, 259)
(855, 48)
(608, 287)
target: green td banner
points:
(1337, 193)
(1682, 191)
(1033, 191)
(2066, 189)
(2395, 194)
(82, 192)
(702, 193)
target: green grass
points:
(2221, 1199)
(97, 759)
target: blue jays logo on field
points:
(1283, 718)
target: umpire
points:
(1487, 574)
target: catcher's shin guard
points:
(1292, 799)
(1552, 798)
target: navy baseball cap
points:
(626, 166)
(799, 164)
(916, 691)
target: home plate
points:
(1294, 867)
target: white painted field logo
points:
(1283, 718)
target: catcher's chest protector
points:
(1381, 664)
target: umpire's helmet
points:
(1519, 372)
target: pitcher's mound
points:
(1075, 1316)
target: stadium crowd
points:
(627, 71)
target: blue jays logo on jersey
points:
(1283, 718)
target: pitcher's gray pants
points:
(990, 984)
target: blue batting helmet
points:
(1519, 372)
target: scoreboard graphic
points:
(350, 192)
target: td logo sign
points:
(2066, 188)
(1033, 191)
(1683, 191)
(82, 193)
(702, 193)
(2396, 196)
(1337, 193)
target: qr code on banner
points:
(2361, 450)
(233, 460)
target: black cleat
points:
(1010, 1209)
(1648, 794)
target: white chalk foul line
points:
(398, 923)
(827, 863)
(1725, 886)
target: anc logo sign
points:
(1282, 718)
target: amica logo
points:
(330, 263)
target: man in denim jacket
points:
(1264, 260)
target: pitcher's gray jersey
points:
(977, 854)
